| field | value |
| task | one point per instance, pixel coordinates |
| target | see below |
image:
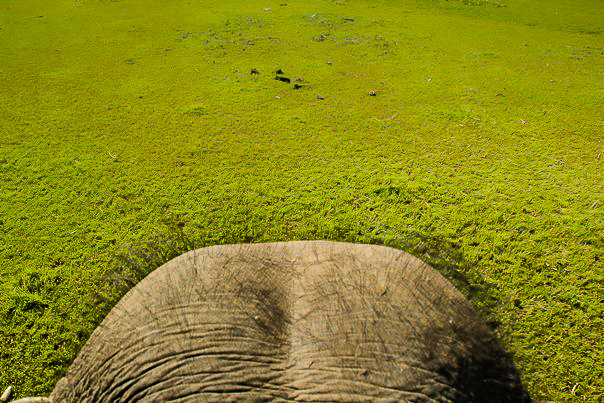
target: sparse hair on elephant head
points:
(304, 321)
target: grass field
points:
(469, 133)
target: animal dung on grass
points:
(284, 79)
(305, 320)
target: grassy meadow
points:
(467, 132)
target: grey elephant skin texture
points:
(292, 321)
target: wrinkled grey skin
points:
(308, 321)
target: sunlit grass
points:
(480, 152)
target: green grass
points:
(138, 123)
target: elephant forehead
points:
(289, 289)
(290, 270)
(281, 320)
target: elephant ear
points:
(307, 321)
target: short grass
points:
(135, 126)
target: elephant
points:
(292, 321)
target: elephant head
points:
(307, 320)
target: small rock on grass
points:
(6, 394)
